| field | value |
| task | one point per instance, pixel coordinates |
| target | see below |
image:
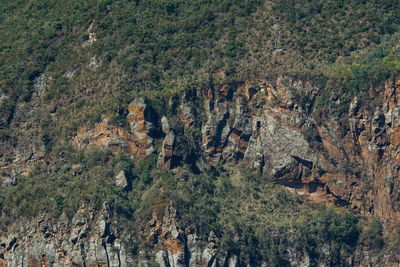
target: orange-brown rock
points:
(135, 141)
(367, 158)
(111, 137)
(163, 233)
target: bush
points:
(329, 228)
(372, 235)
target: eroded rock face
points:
(93, 238)
(267, 125)
(86, 240)
(135, 141)
(139, 124)
(165, 158)
(90, 239)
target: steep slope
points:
(181, 133)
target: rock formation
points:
(135, 141)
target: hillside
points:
(199, 133)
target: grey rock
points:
(276, 146)
(162, 258)
(165, 157)
(121, 180)
(7, 181)
(76, 169)
(195, 251)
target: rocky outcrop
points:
(260, 124)
(90, 239)
(272, 127)
(121, 180)
(140, 125)
(93, 238)
(8, 179)
(135, 141)
(165, 158)
(86, 240)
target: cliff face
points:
(268, 126)
(93, 238)
(272, 128)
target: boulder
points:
(121, 180)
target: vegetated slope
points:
(66, 66)
(167, 46)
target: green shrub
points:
(329, 228)
(372, 235)
(143, 169)
(94, 156)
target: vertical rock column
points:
(166, 155)
(140, 128)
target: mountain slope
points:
(183, 132)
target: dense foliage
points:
(167, 46)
